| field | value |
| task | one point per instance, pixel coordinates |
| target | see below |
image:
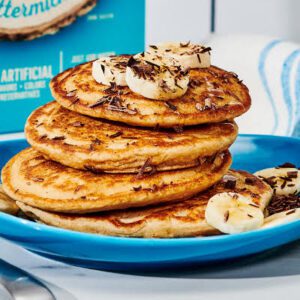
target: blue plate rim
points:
(158, 241)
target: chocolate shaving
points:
(199, 59)
(283, 185)
(171, 105)
(280, 203)
(138, 188)
(292, 174)
(93, 169)
(74, 101)
(43, 136)
(147, 165)
(77, 124)
(99, 102)
(193, 83)
(152, 64)
(59, 138)
(102, 68)
(207, 49)
(291, 212)
(96, 141)
(185, 45)
(226, 216)
(235, 196)
(287, 165)
(119, 133)
(132, 61)
(269, 180)
(153, 189)
(37, 179)
(112, 89)
(249, 181)
(230, 184)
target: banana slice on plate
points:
(156, 77)
(284, 181)
(110, 69)
(282, 218)
(231, 212)
(189, 55)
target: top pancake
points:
(214, 95)
(82, 142)
(181, 219)
(30, 178)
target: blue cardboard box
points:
(26, 67)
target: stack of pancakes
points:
(107, 160)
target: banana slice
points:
(233, 213)
(282, 218)
(284, 181)
(189, 55)
(156, 77)
(110, 69)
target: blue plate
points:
(250, 152)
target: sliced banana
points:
(110, 69)
(189, 55)
(284, 181)
(231, 212)
(156, 77)
(282, 218)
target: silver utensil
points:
(20, 285)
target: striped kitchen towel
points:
(270, 67)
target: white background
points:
(190, 19)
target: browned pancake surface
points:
(30, 178)
(180, 219)
(214, 95)
(86, 143)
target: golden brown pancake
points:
(82, 142)
(50, 27)
(7, 205)
(186, 218)
(214, 95)
(30, 178)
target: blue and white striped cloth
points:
(271, 69)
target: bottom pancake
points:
(181, 219)
(7, 205)
(32, 179)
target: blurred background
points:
(191, 19)
(257, 39)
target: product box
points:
(40, 38)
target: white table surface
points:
(271, 275)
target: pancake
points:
(181, 219)
(44, 22)
(30, 178)
(85, 143)
(7, 205)
(214, 95)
